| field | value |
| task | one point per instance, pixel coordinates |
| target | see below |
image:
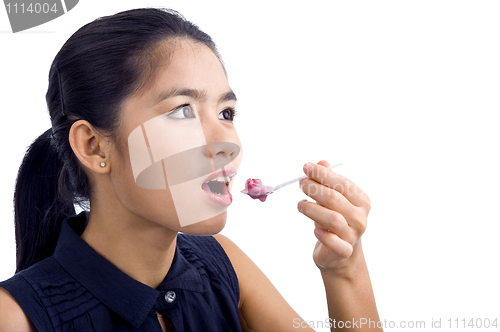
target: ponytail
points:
(38, 208)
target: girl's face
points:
(176, 135)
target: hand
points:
(339, 213)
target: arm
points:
(340, 215)
(262, 307)
(350, 295)
(12, 317)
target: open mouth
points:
(216, 186)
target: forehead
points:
(190, 65)
(185, 64)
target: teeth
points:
(230, 176)
(223, 179)
(218, 179)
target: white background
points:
(404, 93)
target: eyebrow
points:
(200, 95)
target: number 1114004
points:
(479, 323)
(31, 8)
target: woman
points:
(142, 114)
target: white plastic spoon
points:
(261, 191)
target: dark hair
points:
(100, 65)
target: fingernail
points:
(299, 206)
(318, 231)
(307, 168)
(301, 181)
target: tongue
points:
(226, 191)
(222, 188)
(216, 188)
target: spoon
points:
(257, 190)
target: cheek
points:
(152, 204)
(159, 205)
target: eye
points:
(227, 114)
(182, 112)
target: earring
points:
(103, 165)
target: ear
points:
(89, 147)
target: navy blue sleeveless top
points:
(76, 289)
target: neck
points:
(140, 248)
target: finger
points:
(333, 180)
(327, 219)
(324, 163)
(354, 217)
(327, 197)
(334, 243)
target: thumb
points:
(324, 163)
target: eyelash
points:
(233, 112)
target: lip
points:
(224, 200)
(216, 174)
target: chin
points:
(206, 227)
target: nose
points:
(222, 153)
(220, 141)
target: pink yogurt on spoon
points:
(257, 190)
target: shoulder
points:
(206, 248)
(26, 295)
(258, 315)
(226, 243)
(240, 261)
(245, 268)
(12, 316)
(208, 255)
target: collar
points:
(126, 296)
